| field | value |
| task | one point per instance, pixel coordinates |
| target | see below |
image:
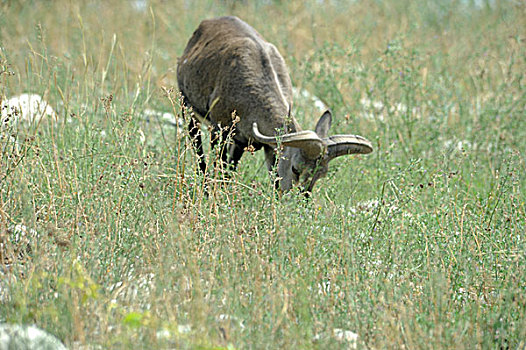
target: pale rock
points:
(26, 108)
(23, 337)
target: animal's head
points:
(306, 154)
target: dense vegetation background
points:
(106, 235)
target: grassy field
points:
(419, 245)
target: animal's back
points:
(227, 65)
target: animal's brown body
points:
(227, 66)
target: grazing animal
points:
(227, 67)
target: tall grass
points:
(418, 245)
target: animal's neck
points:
(292, 125)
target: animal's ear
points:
(324, 124)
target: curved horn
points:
(308, 141)
(339, 145)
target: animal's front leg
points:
(230, 150)
(197, 141)
(236, 152)
(270, 160)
